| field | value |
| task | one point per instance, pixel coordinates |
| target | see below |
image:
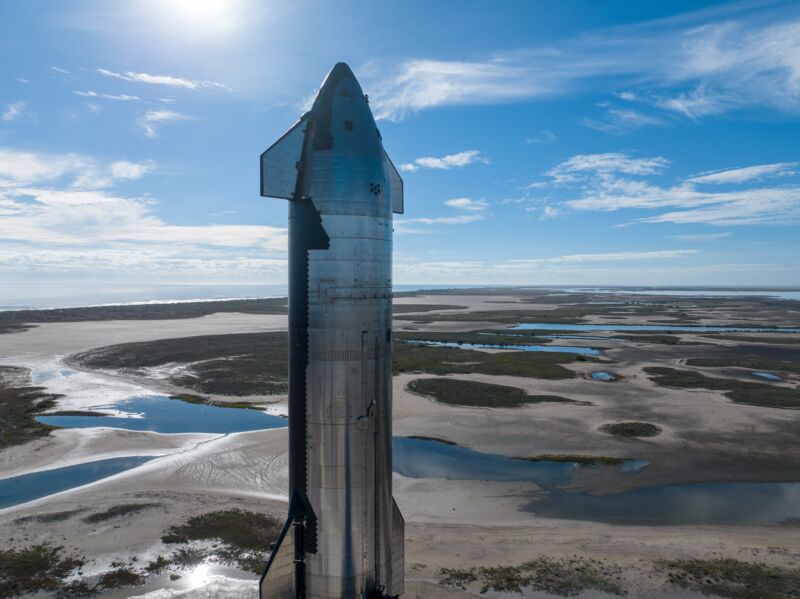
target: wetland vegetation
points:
(631, 429)
(19, 406)
(458, 392)
(756, 394)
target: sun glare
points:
(203, 16)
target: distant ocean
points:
(36, 296)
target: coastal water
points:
(533, 326)
(586, 351)
(161, 414)
(767, 376)
(603, 376)
(27, 487)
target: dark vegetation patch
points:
(158, 565)
(456, 392)
(782, 340)
(245, 537)
(584, 460)
(404, 308)
(19, 405)
(566, 313)
(36, 568)
(563, 577)
(49, 517)
(790, 363)
(239, 364)
(631, 429)
(735, 579)
(659, 338)
(120, 577)
(117, 511)
(13, 319)
(488, 337)
(76, 413)
(436, 439)
(745, 392)
(450, 360)
(188, 398)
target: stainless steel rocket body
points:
(340, 317)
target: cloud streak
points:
(169, 80)
(450, 161)
(153, 118)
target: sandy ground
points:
(449, 523)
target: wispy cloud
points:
(619, 121)
(611, 182)
(119, 97)
(609, 257)
(459, 219)
(458, 160)
(18, 169)
(14, 111)
(164, 80)
(684, 67)
(749, 173)
(152, 118)
(543, 137)
(23, 80)
(468, 204)
(59, 70)
(702, 236)
(70, 225)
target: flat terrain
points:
(686, 404)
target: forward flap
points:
(280, 163)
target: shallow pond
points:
(427, 458)
(603, 376)
(160, 414)
(697, 503)
(27, 487)
(532, 326)
(767, 376)
(586, 351)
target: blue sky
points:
(572, 143)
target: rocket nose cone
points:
(339, 72)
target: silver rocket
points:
(344, 534)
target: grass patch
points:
(653, 338)
(782, 340)
(245, 536)
(36, 568)
(50, 517)
(436, 439)
(117, 511)
(756, 394)
(158, 565)
(790, 364)
(584, 460)
(196, 399)
(121, 577)
(563, 577)
(491, 337)
(450, 360)
(734, 579)
(19, 406)
(239, 364)
(404, 308)
(76, 413)
(456, 392)
(631, 429)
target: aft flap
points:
(396, 582)
(277, 582)
(280, 163)
(395, 185)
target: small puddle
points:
(27, 487)
(696, 503)
(533, 326)
(161, 414)
(586, 351)
(767, 376)
(603, 376)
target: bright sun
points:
(204, 16)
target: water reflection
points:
(697, 503)
(533, 326)
(158, 413)
(586, 351)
